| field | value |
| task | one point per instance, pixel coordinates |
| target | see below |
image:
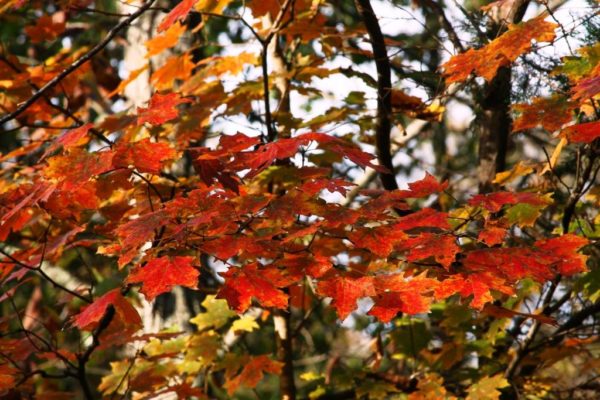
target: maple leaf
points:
(243, 284)
(564, 248)
(77, 167)
(179, 12)
(477, 285)
(414, 107)
(253, 372)
(175, 67)
(587, 88)
(427, 186)
(133, 75)
(495, 201)
(551, 113)
(492, 235)
(356, 155)
(499, 52)
(442, 248)
(71, 138)
(225, 247)
(47, 27)
(158, 44)
(266, 154)
(89, 317)
(512, 263)
(161, 109)
(379, 240)
(15, 218)
(216, 315)
(397, 293)
(335, 185)
(144, 155)
(582, 133)
(426, 217)
(135, 233)
(160, 275)
(487, 388)
(388, 305)
(345, 291)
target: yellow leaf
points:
(217, 314)
(519, 170)
(310, 376)
(212, 6)
(245, 323)
(554, 157)
(487, 388)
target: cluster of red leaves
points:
(273, 241)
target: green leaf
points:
(217, 314)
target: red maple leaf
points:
(134, 234)
(89, 317)
(565, 248)
(78, 167)
(379, 240)
(71, 138)
(495, 201)
(388, 305)
(345, 291)
(160, 275)
(442, 248)
(587, 88)
(427, 186)
(144, 155)
(492, 235)
(242, 284)
(161, 109)
(427, 217)
(582, 133)
(397, 293)
(179, 12)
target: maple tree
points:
(287, 199)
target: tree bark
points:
(383, 124)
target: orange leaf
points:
(253, 373)
(160, 275)
(47, 27)
(500, 52)
(160, 109)
(158, 44)
(551, 113)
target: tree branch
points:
(383, 125)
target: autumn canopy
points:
(372, 199)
